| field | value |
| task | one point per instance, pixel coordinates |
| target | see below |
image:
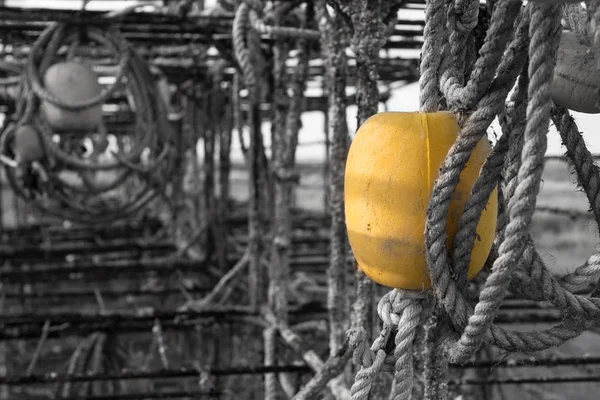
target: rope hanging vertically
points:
(521, 40)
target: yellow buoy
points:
(392, 165)
(576, 81)
(72, 82)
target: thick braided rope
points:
(474, 207)
(513, 126)
(459, 309)
(593, 10)
(281, 31)
(412, 316)
(147, 136)
(433, 33)
(400, 310)
(588, 172)
(501, 26)
(542, 48)
(576, 18)
(474, 129)
(269, 335)
(242, 55)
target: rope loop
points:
(516, 258)
(464, 15)
(402, 312)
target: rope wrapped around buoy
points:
(58, 130)
(461, 230)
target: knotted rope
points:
(521, 42)
(91, 200)
(402, 312)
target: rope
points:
(335, 40)
(593, 12)
(429, 95)
(269, 335)
(280, 31)
(544, 21)
(85, 201)
(403, 312)
(462, 18)
(464, 97)
(576, 19)
(520, 41)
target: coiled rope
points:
(92, 200)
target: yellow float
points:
(576, 80)
(392, 165)
(72, 82)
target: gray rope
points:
(464, 97)
(576, 19)
(436, 367)
(544, 42)
(371, 360)
(281, 31)
(429, 95)
(469, 136)
(517, 164)
(242, 55)
(593, 9)
(269, 336)
(400, 310)
(474, 207)
(588, 172)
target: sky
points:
(403, 99)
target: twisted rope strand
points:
(281, 31)
(544, 42)
(242, 55)
(588, 173)
(464, 97)
(516, 130)
(429, 95)
(403, 311)
(474, 129)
